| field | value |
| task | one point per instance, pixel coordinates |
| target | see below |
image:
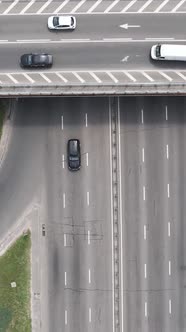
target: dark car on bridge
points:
(36, 60)
(74, 154)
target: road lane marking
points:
(145, 232)
(130, 4)
(144, 193)
(132, 78)
(169, 268)
(89, 276)
(62, 122)
(147, 3)
(86, 120)
(145, 309)
(142, 116)
(148, 77)
(65, 240)
(112, 77)
(168, 190)
(181, 75)
(87, 158)
(165, 75)
(27, 6)
(65, 317)
(78, 6)
(145, 271)
(158, 38)
(143, 155)
(166, 113)
(95, 76)
(121, 218)
(13, 4)
(64, 201)
(111, 214)
(111, 6)
(167, 150)
(88, 198)
(89, 315)
(46, 4)
(63, 161)
(161, 6)
(177, 6)
(89, 237)
(94, 6)
(28, 78)
(78, 77)
(62, 77)
(32, 41)
(45, 78)
(65, 278)
(168, 229)
(63, 4)
(12, 78)
(170, 307)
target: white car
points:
(62, 22)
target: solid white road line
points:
(169, 268)
(95, 77)
(181, 75)
(143, 155)
(147, 3)
(12, 78)
(170, 307)
(87, 158)
(78, 6)
(66, 317)
(27, 6)
(141, 116)
(111, 212)
(86, 122)
(65, 278)
(112, 77)
(145, 232)
(177, 6)
(63, 4)
(168, 229)
(28, 78)
(145, 271)
(121, 218)
(111, 6)
(148, 77)
(161, 6)
(167, 150)
(78, 77)
(88, 198)
(46, 4)
(62, 122)
(89, 237)
(166, 113)
(145, 309)
(130, 4)
(62, 77)
(63, 161)
(132, 78)
(89, 315)
(144, 193)
(165, 75)
(94, 6)
(168, 190)
(64, 201)
(65, 240)
(89, 276)
(13, 4)
(45, 78)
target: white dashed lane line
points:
(170, 307)
(88, 198)
(143, 155)
(166, 113)
(169, 268)
(167, 151)
(87, 158)
(86, 120)
(89, 276)
(89, 315)
(88, 237)
(142, 116)
(65, 240)
(65, 278)
(62, 122)
(145, 232)
(169, 229)
(63, 161)
(66, 317)
(64, 200)
(144, 193)
(145, 309)
(168, 190)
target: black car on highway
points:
(36, 60)
(74, 154)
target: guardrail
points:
(93, 89)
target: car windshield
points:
(56, 21)
(158, 51)
(72, 20)
(73, 158)
(29, 59)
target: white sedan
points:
(61, 22)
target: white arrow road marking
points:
(125, 59)
(126, 26)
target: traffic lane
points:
(95, 27)
(93, 225)
(87, 56)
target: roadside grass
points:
(15, 311)
(3, 106)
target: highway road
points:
(99, 41)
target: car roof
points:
(64, 20)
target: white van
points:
(168, 52)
